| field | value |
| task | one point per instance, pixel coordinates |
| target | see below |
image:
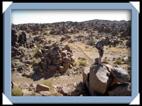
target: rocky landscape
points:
(60, 59)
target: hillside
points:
(50, 59)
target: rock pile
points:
(18, 39)
(44, 56)
(103, 79)
(56, 57)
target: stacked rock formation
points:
(103, 79)
(56, 57)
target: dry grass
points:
(118, 61)
(82, 62)
(47, 82)
(16, 91)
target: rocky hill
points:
(58, 59)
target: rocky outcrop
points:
(37, 54)
(57, 57)
(86, 76)
(22, 38)
(117, 30)
(103, 79)
(120, 74)
(14, 37)
(98, 79)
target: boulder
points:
(41, 87)
(104, 79)
(120, 74)
(98, 79)
(123, 89)
(86, 77)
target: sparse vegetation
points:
(45, 33)
(91, 42)
(48, 83)
(82, 61)
(16, 91)
(56, 54)
(118, 61)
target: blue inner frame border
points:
(71, 99)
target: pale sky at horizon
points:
(50, 16)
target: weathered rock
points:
(14, 37)
(86, 77)
(52, 68)
(28, 73)
(66, 60)
(41, 87)
(98, 79)
(103, 77)
(56, 57)
(61, 69)
(66, 90)
(16, 52)
(121, 90)
(32, 87)
(64, 53)
(22, 38)
(120, 74)
(109, 67)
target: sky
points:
(50, 16)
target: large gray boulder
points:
(98, 79)
(101, 77)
